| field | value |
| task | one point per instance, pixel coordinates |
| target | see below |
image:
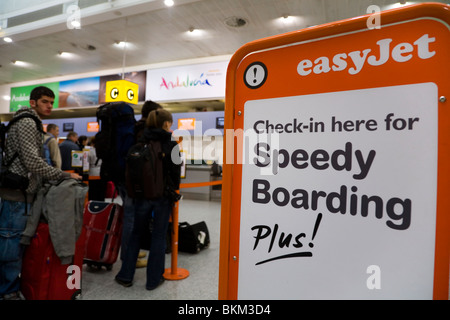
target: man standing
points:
(66, 148)
(24, 154)
(51, 144)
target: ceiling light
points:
(169, 3)
(7, 39)
(194, 32)
(66, 55)
(399, 4)
(20, 63)
(287, 21)
(123, 44)
(7, 98)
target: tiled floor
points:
(203, 267)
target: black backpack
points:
(9, 179)
(144, 171)
(116, 136)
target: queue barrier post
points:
(175, 273)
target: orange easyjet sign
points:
(336, 162)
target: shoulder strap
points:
(47, 141)
(26, 115)
(13, 121)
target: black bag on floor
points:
(192, 238)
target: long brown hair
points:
(156, 118)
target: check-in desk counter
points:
(201, 173)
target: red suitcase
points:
(43, 275)
(103, 222)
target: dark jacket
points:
(139, 129)
(66, 148)
(172, 158)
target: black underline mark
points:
(291, 255)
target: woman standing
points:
(157, 129)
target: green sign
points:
(20, 96)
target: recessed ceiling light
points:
(66, 55)
(169, 3)
(287, 18)
(194, 32)
(399, 4)
(20, 63)
(123, 44)
(7, 39)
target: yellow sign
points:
(122, 90)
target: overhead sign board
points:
(338, 173)
(190, 82)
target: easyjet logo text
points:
(355, 61)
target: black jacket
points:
(172, 158)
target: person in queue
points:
(27, 166)
(158, 127)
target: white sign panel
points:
(343, 205)
(191, 82)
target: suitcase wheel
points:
(98, 265)
(76, 295)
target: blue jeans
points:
(12, 224)
(156, 259)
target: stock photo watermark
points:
(374, 21)
(74, 17)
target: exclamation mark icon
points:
(255, 75)
(316, 227)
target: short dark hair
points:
(51, 126)
(40, 91)
(148, 107)
(72, 134)
(82, 138)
